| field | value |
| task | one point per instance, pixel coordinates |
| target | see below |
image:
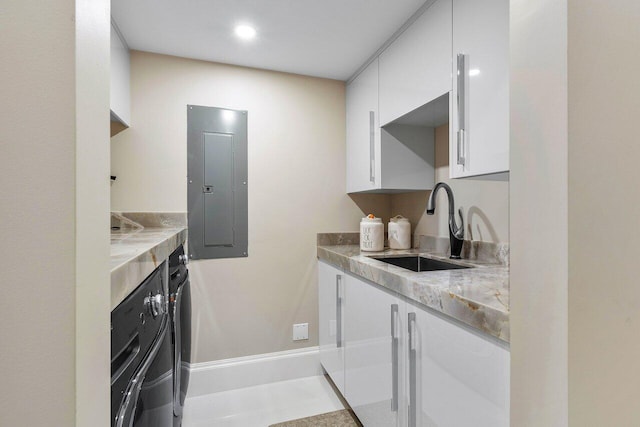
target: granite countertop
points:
(476, 296)
(135, 253)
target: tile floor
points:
(262, 405)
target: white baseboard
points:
(230, 374)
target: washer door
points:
(130, 411)
(182, 345)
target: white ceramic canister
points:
(399, 233)
(371, 234)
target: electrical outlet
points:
(300, 331)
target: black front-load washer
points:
(141, 357)
(180, 312)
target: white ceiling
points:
(324, 38)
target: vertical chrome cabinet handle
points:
(338, 310)
(372, 147)
(394, 357)
(461, 101)
(413, 409)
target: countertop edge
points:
(128, 275)
(487, 319)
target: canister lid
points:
(398, 218)
(371, 218)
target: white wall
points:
(538, 213)
(296, 161)
(45, 218)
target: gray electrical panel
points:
(217, 182)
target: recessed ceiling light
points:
(245, 32)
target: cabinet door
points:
(331, 330)
(363, 131)
(456, 377)
(120, 80)
(373, 365)
(415, 68)
(479, 107)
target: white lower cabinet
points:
(455, 377)
(373, 360)
(398, 363)
(330, 324)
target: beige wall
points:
(37, 227)
(574, 293)
(538, 213)
(484, 202)
(296, 188)
(43, 355)
(93, 296)
(604, 207)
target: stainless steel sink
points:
(418, 263)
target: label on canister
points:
(371, 234)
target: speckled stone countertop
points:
(476, 296)
(135, 253)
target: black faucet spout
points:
(456, 234)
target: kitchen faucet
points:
(456, 235)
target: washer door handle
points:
(129, 402)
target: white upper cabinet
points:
(451, 65)
(120, 80)
(416, 68)
(397, 158)
(389, 147)
(479, 125)
(363, 131)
